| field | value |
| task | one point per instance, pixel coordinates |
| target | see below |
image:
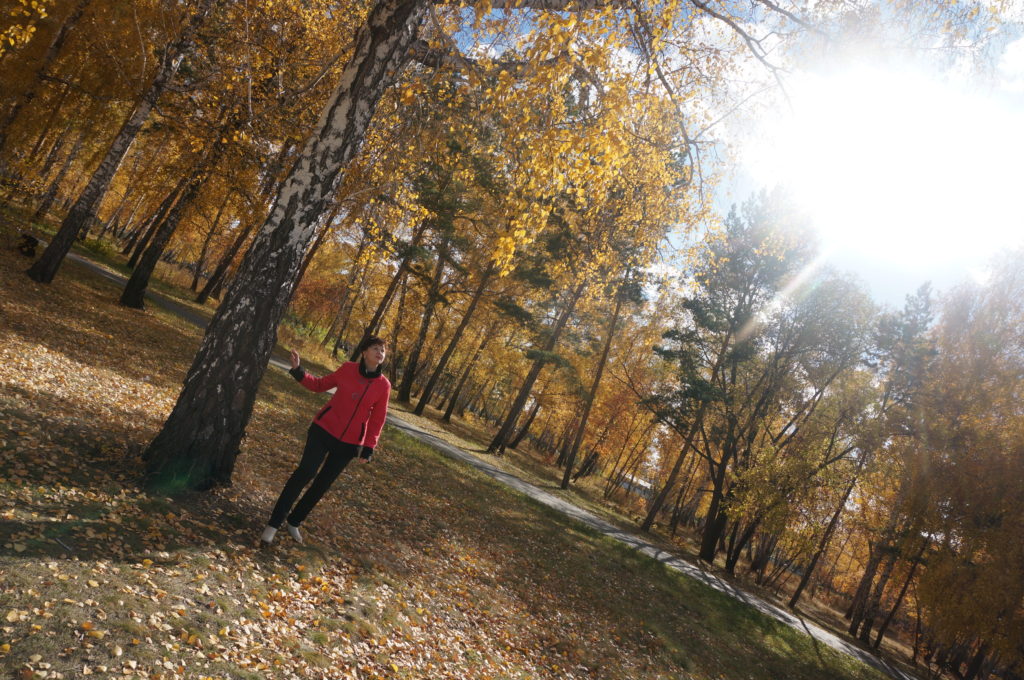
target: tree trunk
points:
(145, 225)
(873, 605)
(55, 111)
(589, 463)
(156, 154)
(442, 363)
(454, 398)
(822, 545)
(736, 547)
(48, 58)
(518, 439)
(498, 443)
(346, 291)
(477, 402)
(716, 520)
(433, 295)
(160, 218)
(111, 222)
(81, 212)
(403, 267)
(123, 227)
(51, 191)
(899, 598)
(860, 596)
(396, 329)
(198, 445)
(216, 279)
(268, 186)
(201, 260)
(976, 661)
(662, 496)
(54, 153)
(616, 466)
(134, 293)
(592, 393)
(352, 299)
(319, 241)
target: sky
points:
(910, 171)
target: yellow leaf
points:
(12, 616)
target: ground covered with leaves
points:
(414, 566)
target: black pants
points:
(319, 444)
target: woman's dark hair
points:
(370, 342)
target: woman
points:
(348, 426)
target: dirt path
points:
(817, 633)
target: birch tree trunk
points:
(134, 293)
(51, 54)
(198, 445)
(81, 212)
(51, 191)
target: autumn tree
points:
(971, 471)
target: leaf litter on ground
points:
(414, 567)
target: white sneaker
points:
(294, 531)
(268, 535)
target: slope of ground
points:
(416, 566)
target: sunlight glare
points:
(898, 166)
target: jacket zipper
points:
(342, 433)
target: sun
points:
(896, 165)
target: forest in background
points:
(506, 226)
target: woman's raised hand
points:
(295, 359)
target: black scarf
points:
(370, 374)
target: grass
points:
(415, 566)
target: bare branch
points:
(753, 44)
(548, 5)
(451, 56)
(791, 16)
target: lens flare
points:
(898, 166)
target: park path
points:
(634, 541)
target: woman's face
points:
(373, 356)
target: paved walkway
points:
(632, 540)
(638, 543)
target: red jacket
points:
(356, 412)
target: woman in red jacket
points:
(348, 426)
